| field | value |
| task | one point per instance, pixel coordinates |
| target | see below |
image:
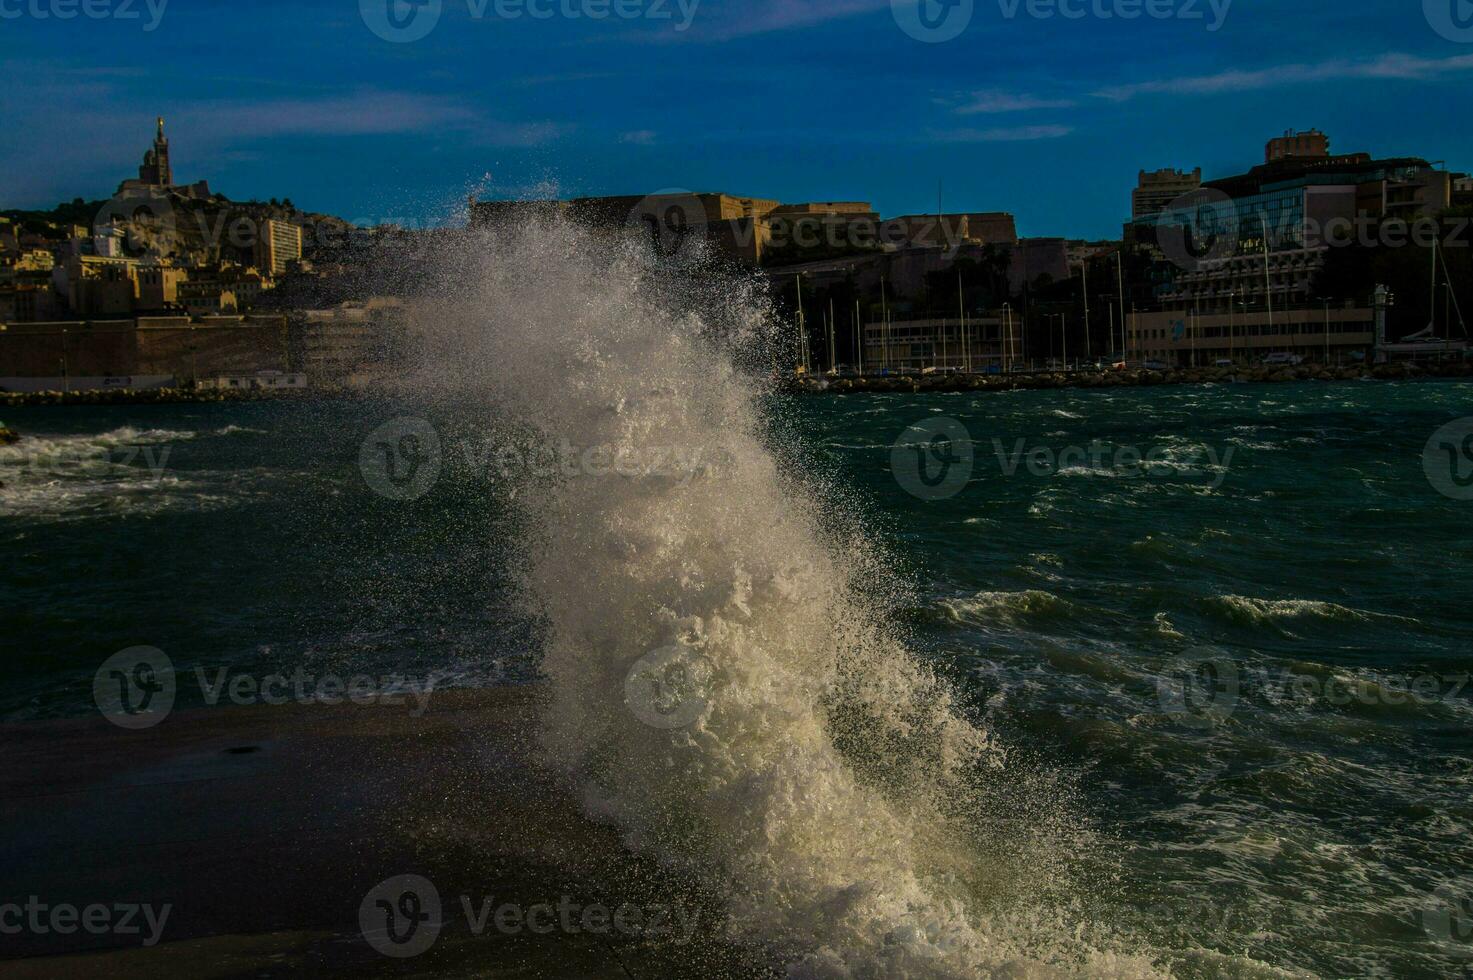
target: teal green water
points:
(1251, 656)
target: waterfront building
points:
(258, 381)
(795, 232)
(28, 260)
(150, 346)
(278, 245)
(951, 229)
(97, 286)
(158, 286)
(978, 344)
(732, 224)
(1310, 144)
(752, 230)
(102, 286)
(25, 302)
(1155, 190)
(1260, 237)
(352, 340)
(1326, 334)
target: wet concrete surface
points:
(268, 833)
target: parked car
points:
(1154, 365)
(1283, 357)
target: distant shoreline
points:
(160, 396)
(819, 385)
(944, 383)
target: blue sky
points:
(1025, 110)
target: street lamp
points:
(1232, 352)
(1007, 313)
(1327, 333)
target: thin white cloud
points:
(751, 17)
(997, 101)
(638, 137)
(97, 131)
(364, 113)
(1389, 66)
(1015, 134)
(361, 114)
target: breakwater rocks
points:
(144, 396)
(1260, 374)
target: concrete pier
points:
(264, 830)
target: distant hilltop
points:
(157, 173)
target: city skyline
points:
(781, 101)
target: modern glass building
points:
(1256, 240)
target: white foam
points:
(827, 785)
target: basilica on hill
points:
(156, 175)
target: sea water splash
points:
(818, 776)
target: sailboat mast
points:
(1432, 296)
